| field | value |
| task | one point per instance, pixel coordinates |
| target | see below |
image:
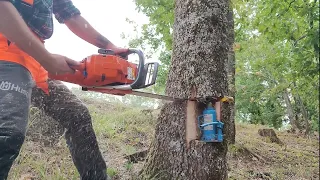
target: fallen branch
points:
(260, 158)
(138, 156)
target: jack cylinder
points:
(211, 128)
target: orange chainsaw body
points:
(101, 70)
(108, 69)
(112, 74)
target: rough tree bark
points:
(231, 136)
(198, 69)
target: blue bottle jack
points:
(211, 128)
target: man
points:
(24, 68)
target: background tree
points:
(279, 44)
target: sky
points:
(106, 16)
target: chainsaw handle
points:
(139, 80)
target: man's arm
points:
(66, 13)
(82, 28)
(13, 27)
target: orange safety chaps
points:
(11, 52)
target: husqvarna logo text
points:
(6, 86)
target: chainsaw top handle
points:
(140, 78)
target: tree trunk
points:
(306, 124)
(290, 111)
(231, 137)
(198, 70)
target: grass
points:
(298, 158)
(123, 130)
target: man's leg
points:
(15, 91)
(68, 110)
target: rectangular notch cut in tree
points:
(192, 132)
(198, 68)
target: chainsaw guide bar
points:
(168, 98)
(113, 90)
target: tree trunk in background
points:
(198, 69)
(231, 77)
(306, 124)
(290, 111)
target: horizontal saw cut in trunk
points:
(198, 70)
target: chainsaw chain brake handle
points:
(147, 73)
(123, 55)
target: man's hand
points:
(122, 52)
(118, 50)
(58, 65)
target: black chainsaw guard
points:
(149, 76)
(147, 73)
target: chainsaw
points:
(110, 73)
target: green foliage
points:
(128, 165)
(284, 51)
(255, 107)
(112, 172)
(161, 17)
(165, 58)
